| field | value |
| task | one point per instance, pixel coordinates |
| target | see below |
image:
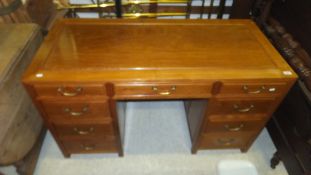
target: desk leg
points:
(195, 115)
(118, 115)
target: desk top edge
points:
(40, 59)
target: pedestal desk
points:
(230, 78)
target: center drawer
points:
(133, 91)
(69, 109)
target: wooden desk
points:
(229, 75)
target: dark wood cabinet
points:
(290, 129)
(289, 27)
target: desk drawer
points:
(234, 126)
(252, 89)
(226, 139)
(70, 90)
(163, 90)
(84, 130)
(242, 107)
(97, 145)
(76, 109)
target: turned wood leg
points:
(275, 160)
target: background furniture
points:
(20, 124)
(289, 26)
(194, 9)
(80, 88)
(41, 12)
(13, 11)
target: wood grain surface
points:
(229, 75)
(93, 50)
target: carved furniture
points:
(289, 27)
(26, 11)
(226, 71)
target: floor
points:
(156, 143)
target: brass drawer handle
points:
(83, 132)
(238, 128)
(243, 110)
(77, 114)
(88, 147)
(260, 90)
(65, 93)
(226, 142)
(169, 92)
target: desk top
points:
(97, 50)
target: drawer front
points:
(225, 140)
(242, 107)
(255, 89)
(163, 91)
(100, 145)
(84, 130)
(70, 90)
(234, 126)
(76, 109)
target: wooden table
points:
(226, 71)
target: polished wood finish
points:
(253, 88)
(241, 106)
(75, 110)
(157, 90)
(76, 46)
(70, 90)
(220, 69)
